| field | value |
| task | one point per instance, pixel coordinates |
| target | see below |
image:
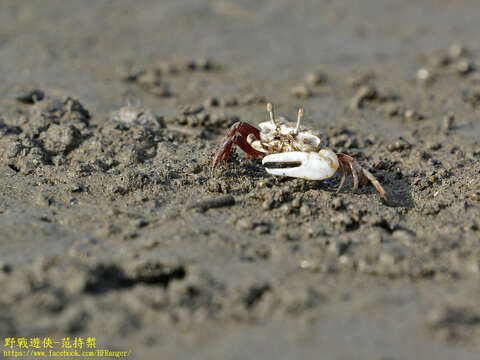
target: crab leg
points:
(342, 177)
(374, 181)
(313, 166)
(364, 178)
(237, 135)
(356, 169)
(354, 175)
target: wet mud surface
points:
(114, 226)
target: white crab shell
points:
(281, 137)
(283, 145)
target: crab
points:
(293, 151)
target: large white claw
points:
(313, 166)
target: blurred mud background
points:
(110, 113)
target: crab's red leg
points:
(237, 134)
(356, 169)
(246, 129)
(342, 177)
(348, 162)
(353, 171)
(345, 158)
(364, 178)
(375, 183)
(245, 146)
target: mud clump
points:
(50, 128)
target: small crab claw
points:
(313, 166)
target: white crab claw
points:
(313, 166)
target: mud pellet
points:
(203, 64)
(412, 115)
(211, 102)
(217, 202)
(465, 67)
(337, 204)
(315, 78)
(301, 91)
(305, 210)
(297, 202)
(425, 76)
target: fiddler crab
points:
(298, 152)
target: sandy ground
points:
(110, 114)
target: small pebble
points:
(301, 91)
(425, 76)
(297, 202)
(211, 102)
(465, 67)
(337, 204)
(316, 78)
(412, 115)
(265, 183)
(244, 224)
(268, 204)
(305, 210)
(307, 265)
(286, 209)
(398, 145)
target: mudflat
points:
(113, 225)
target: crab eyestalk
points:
(301, 114)
(270, 112)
